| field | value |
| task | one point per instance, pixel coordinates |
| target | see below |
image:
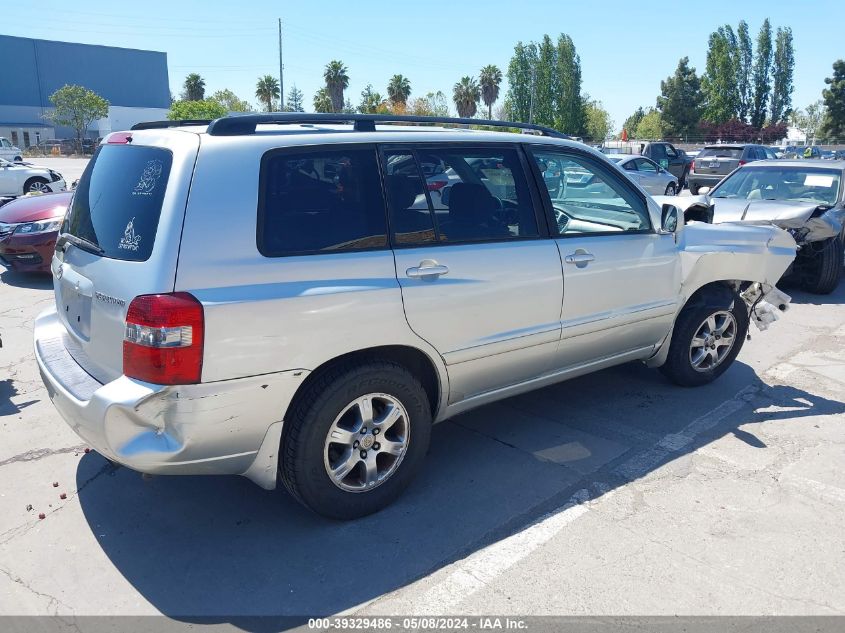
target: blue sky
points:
(626, 48)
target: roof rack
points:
(160, 125)
(238, 125)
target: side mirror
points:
(445, 194)
(703, 190)
(669, 219)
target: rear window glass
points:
(720, 152)
(117, 203)
(320, 201)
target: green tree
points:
(371, 101)
(631, 123)
(230, 101)
(680, 100)
(745, 58)
(721, 96)
(651, 126)
(490, 79)
(322, 101)
(834, 101)
(809, 121)
(204, 110)
(761, 75)
(783, 68)
(435, 104)
(194, 88)
(77, 107)
(337, 80)
(520, 69)
(569, 110)
(398, 90)
(598, 122)
(295, 101)
(466, 95)
(545, 83)
(267, 90)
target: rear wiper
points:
(80, 242)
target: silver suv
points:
(299, 297)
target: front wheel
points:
(670, 189)
(705, 341)
(355, 439)
(693, 189)
(822, 265)
(36, 185)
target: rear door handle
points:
(427, 270)
(580, 258)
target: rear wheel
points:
(36, 185)
(819, 265)
(355, 439)
(705, 341)
(693, 189)
(670, 189)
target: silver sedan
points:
(650, 176)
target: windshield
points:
(720, 152)
(798, 184)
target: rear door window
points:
(320, 201)
(721, 152)
(117, 204)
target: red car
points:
(29, 227)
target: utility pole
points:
(281, 71)
(531, 106)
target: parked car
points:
(669, 158)
(648, 174)
(275, 305)
(775, 151)
(66, 146)
(17, 179)
(9, 152)
(29, 227)
(804, 197)
(717, 161)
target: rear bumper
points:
(222, 428)
(704, 180)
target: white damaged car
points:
(804, 197)
(17, 179)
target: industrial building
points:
(135, 82)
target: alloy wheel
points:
(713, 341)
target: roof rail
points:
(244, 124)
(160, 125)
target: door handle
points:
(580, 258)
(427, 270)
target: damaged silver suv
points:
(298, 297)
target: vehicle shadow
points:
(793, 289)
(7, 392)
(35, 281)
(205, 549)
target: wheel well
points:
(715, 292)
(415, 361)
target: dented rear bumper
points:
(223, 428)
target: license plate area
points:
(75, 292)
(714, 164)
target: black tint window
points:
(411, 217)
(118, 201)
(323, 201)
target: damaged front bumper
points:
(765, 303)
(231, 427)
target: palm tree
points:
(266, 90)
(466, 95)
(490, 78)
(337, 80)
(194, 88)
(398, 90)
(322, 101)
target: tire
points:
(35, 184)
(18, 159)
(324, 408)
(680, 366)
(670, 189)
(683, 180)
(693, 189)
(824, 268)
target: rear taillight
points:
(163, 340)
(692, 167)
(742, 162)
(436, 185)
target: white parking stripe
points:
(482, 567)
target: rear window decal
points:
(149, 178)
(129, 241)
